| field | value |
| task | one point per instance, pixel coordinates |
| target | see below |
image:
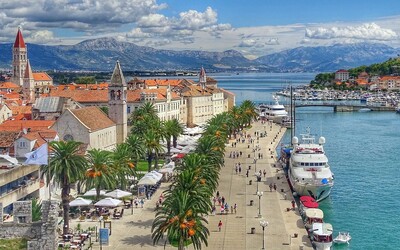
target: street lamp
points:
(259, 203)
(258, 176)
(263, 224)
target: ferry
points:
(309, 172)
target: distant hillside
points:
(101, 54)
(329, 58)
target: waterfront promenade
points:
(134, 231)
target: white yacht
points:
(275, 112)
(309, 172)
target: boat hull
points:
(323, 245)
(318, 191)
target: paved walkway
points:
(134, 231)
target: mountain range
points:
(101, 54)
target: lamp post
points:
(263, 224)
(258, 177)
(259, 203)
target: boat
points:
(321, 235)
(275, 112)
(363, 110)
(342, 238)
(307, 202)
(287, 122)
(313, 215)
(309, 172)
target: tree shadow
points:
(140, 223)
(141, 240)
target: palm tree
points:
(123, 165)
(36, 210)
(249, 111)
(172, 129)
(136, 148)
(101, 172)
(66, 166)
(152, 146)
(181, 219)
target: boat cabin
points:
(322, 232)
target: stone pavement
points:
(134, 231)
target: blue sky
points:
(253, 27)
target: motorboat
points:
(275, 112)
(342, 238)
(364, 110)
(287, 122)
(321, 235)
(309, 172)
(313, 215)
(307, 202)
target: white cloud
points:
(247, 43)
(367, 31)
(272, 41)
(153, 20)
(42, 37)
(194, 20)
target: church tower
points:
(117, 108)
(20, 58)
(202, 78)
(29, 84)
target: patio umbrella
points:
(117, 193)
(108, 202)
(80, 202)
(92, 192)
(147, 180)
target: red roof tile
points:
(41, 76)
(19, 40)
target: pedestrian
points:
(219, 226)
(293, 204)
(217, 194)
(213, 210)
(142, 202)
(265, 172)
(214, 200)
(240, 170)
(223, 200)
(236, 168)
(247, 173)
(235, 207)
(274, 186)
(270, 187)
(285, 196)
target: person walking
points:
(293, 205)
(219, 226)
(270, 187)
(235, 207)
(247, 173)
(265, 172)
(274, 186)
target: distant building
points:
(342, 75)
(50, 108)
(88, 125)
(22, 74)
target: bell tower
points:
(117, 106)
(29, 84)
(20, 58)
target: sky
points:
(252, 27)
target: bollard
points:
(253, 230)
(251, 202)
(250, 182)
(248, 156)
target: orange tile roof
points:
(101, 96)
(361, 81)
(386, 78)
(93, 118)
(7, 138)
(8, 85)
(41, 137)
(41, 76)
(21, 109)
(18, 125)
(162, 82)
(12, 95)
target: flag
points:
(38, 157)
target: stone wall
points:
(41, 235)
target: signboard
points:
(104, 236)
(141, 191)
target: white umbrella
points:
(156, 173)
(92, 192)
(175, 150)
(147, 180)
(80, 202)
(117, 193)
(108, 202)
(154, 176)
(166, 170)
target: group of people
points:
(222, 204)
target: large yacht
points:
(309, 172)
(275, 112)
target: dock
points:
(242, 230)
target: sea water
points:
(363, 151)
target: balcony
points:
(20, 192)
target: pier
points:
(342, 107)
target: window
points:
(22, 144)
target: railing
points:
(21, 191)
